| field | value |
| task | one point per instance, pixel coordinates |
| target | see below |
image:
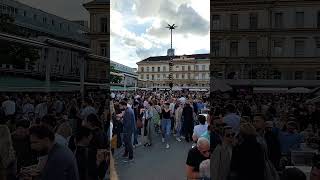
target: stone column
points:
(48, 61)
(82, 75)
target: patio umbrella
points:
(299, 90)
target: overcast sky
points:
(138, 28)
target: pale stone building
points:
(265, 43)
(189, 72)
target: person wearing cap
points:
(231, 118)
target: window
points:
(203, 76)
(318, 75)
(24, 13)
(318, 24)
(104, 49)
(35, 17)
(103, 23)
(52, 22)
(163, 76)
(158, 69)
(234, 48)
(60, 25)
(142, 69)
(253, 21)
(148, 76)
(317, 44)
(189, 76)
(152, 69)
(152, 77)
(234, 21)
(203, 67)
(148, 69)
(182, 68)
(299, 48)
(142, 76)
(298, 75)
(278, 20)
(253, 48)
(278, 47)
(189, 68)
(182, 76)
(197, 68)
(215, 48)
(164, 68)
(215, 22)
(44, 20)
(276, 75)
(158, 76)
(299, 19)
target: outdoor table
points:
(305, 169)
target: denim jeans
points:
(166, 129)
(178, 129)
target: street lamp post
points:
(171, 55)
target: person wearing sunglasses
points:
(221, 157)
(196, 155)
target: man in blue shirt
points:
(290, 139)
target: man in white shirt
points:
(88, 109)
(41, 109)
(8, 107)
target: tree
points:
(14, 53)
(113, 78)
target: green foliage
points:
(14, 53)
(114, 79)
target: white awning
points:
(299, 90)
(269, 90)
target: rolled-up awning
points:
(269, 90)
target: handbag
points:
(114, 142)
(139, 123)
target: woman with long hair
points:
(8, 163)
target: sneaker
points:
(162, 140)
(178, 139)
(167, 146)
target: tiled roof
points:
(167, 58)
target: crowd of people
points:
(236, 137)
(146, 113)
(54, 136)
(251, 136)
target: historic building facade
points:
(98, 68)
(270, 43)
(189, 71)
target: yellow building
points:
(189, 72)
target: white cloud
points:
(129, 47)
